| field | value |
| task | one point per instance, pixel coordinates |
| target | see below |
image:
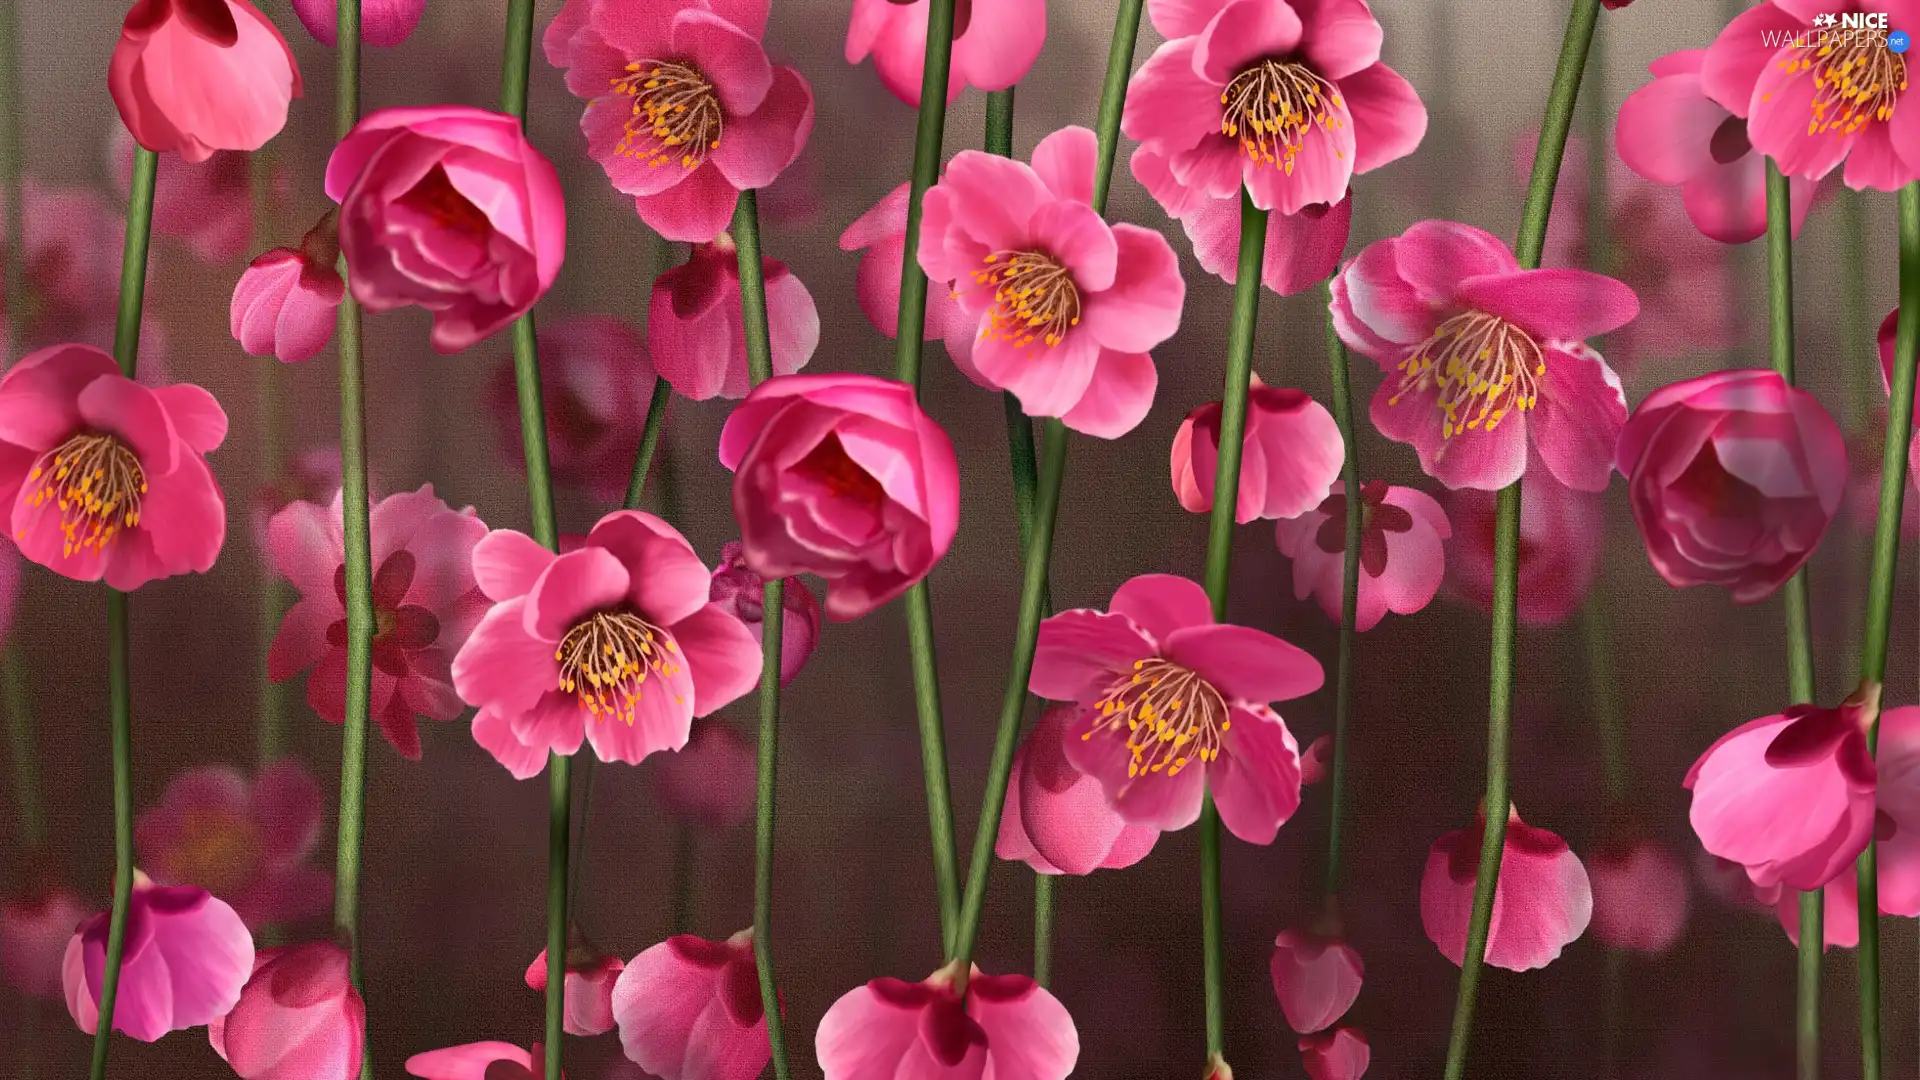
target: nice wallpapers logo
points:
(1843, 30)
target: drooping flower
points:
(1316, 978)
(196, 76)
(882, 233)
(1067, 306)
(945, 1028)
(68, 263)
(425, 600)
(479, 1061)
(690, 1009)
(1401, 560)
(710, 782)
(1340, 1054)
(1542, 900)
(1171, 702)
(571, 642)
(589, 990)
(451, 209)
(1289, 99)
(1302, 249)
(385, 23)
(207, 204)
(1558, 558)
(1733, 478)
(684, 110)
(187, 957)
(34, 930)
(298, 1018)
(1056, 818)
(995, 42)
(740, 590)
(1290, 461)
(1639, 896)
(106, 477)
(246, 841)
(843, 476)
(1479, 354)
(284, 305)
(596, 380)
(695, 329)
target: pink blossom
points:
(1302, 248)
(1558, 558)
(690, 1009)
(451, 209)
(1733, 478)
(843, 476)
(479, 1061)
(694, 325)
(195, 76)
(207, 204)
(247, 841)
(1291, 455)
(946, 1028)
(187, 957)
(298, 1018)
(312, 476)
(882, 233)
(589, 989)
(1315, 978)
(1639, 896)
(1289, 99)
(1401, 561)
(596, 382)
(1340, 1054)
(1542, 899)
(34, 929)
(425, 601)
(1056, 818)
(1156, 664)
(284, 305)
(1814, 98)
(1067, 307)
(105, 476)
(385, 23)
(1316, 761)
(740, 590)
(684, 136)
(566, 650)
(70, 257)
(995, 42)
(1472, 345)
(710, 782)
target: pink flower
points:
(70, 262)
(1639, 896)
(479, 1061)
(244, 840)
(710, 782)
(589, 989)
(1291, 455)
(843, 476)
(1472, 344)
(740, 590)
(1542, 900)
(1172, 702)
(425, 601)
(106, 476)
(1789, 796)
(451, 209)
(207, 204)
(882, 233)
(1316, 978)
(1814, 98)
(1733, 478)
(312, 476)
(1316, 761)
(684, 110)
(1671, 132)
(995, 42)
(1401, 561)
(187, 956)
(33, 936)
(1302, 248)
(284, 305)
(1889, 328)
(986, 1026)
(694, 325)
(1067, 307)
(596, 381)
(385, 23)
(1558, 558)
(690, 1009)
(1341, 1054)
(298, 1018)
(195, 76)
(566, 650)
(1056, 818)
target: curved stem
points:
(649, 439)
(1349, 605)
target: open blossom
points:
(245, 841)
(1810, 106)
(1067, 306)
(105, 476)
(1401, 559)
(34, 929)
(1639, 896)
(195, 76)
(385, 23)
(451, 209)
(596, 382)
(1056, 818)
(690, 1009)
(425, 603)
(1558, 558)
(1341, 1054)
(1480, 354)
(1302, 248)
(696, 332)
(206, 204)
(1171, 702)
(995, 42)
(312, 476)
(298, 1017)
(187, 957)
(572, 642)
(479, 1061)
(1289, 99)
(285, 303)
(589, 990)
(709, 783)
(846, 477)
(987, 1025)
(742, 591)
(1291, 455)
(1316, 978)
(684, 110)
(882, 233)
(1542, 900)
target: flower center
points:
(97, 483)
(1033, 297)
(1273, 105)
(218, 852)
(675, 111)
(604, 661)
(435, 198)
(1856, 81)
(1730, 142)
(1482, 366)
(1172, 716)
(829, 465)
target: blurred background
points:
(454, 876)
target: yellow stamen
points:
(1173, 717)
(676, 114)
(97, 483)
(1271, 108)
(1034, 298)
(1483, 366)
(1856, 81)
(605, 659)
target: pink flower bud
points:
(385, 23)
(284, 304)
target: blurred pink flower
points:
(589, 989)
(34, 930)
(385, 23)
(196, 76)
(479, 1061)
(1401, 561)
(1315, 978)
(1866, 497)
(70, 263)
(690, 1009)
(1542, 900)
(1471, 344)
(285, 303)
(995, 42)
(246, 841)
(1316, 761)
(1559, 555)
(208, 204)
(298, 1018)
(312, 476)
(1340, 1054)
(882, 233)
(990, 1026)
(425, 604)
(710, 782)
(596, 381)
(1639, 896)
(187, 957)
(694, 326)
(846, 477)
(1029, 260)
(451, 209)
(566, 650)
(1056, 819)
(1302, 248)
(1292, 453)
(736, 587)
(1169, 701)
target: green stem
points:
(1855, 311)
(273, 592)
(649, 439)
(1113, 98)
(576, 851)
(1349, 605)
(1806, 1025)
(1603, 687)
(26, 768)
(999, 138)
(1043, 928)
